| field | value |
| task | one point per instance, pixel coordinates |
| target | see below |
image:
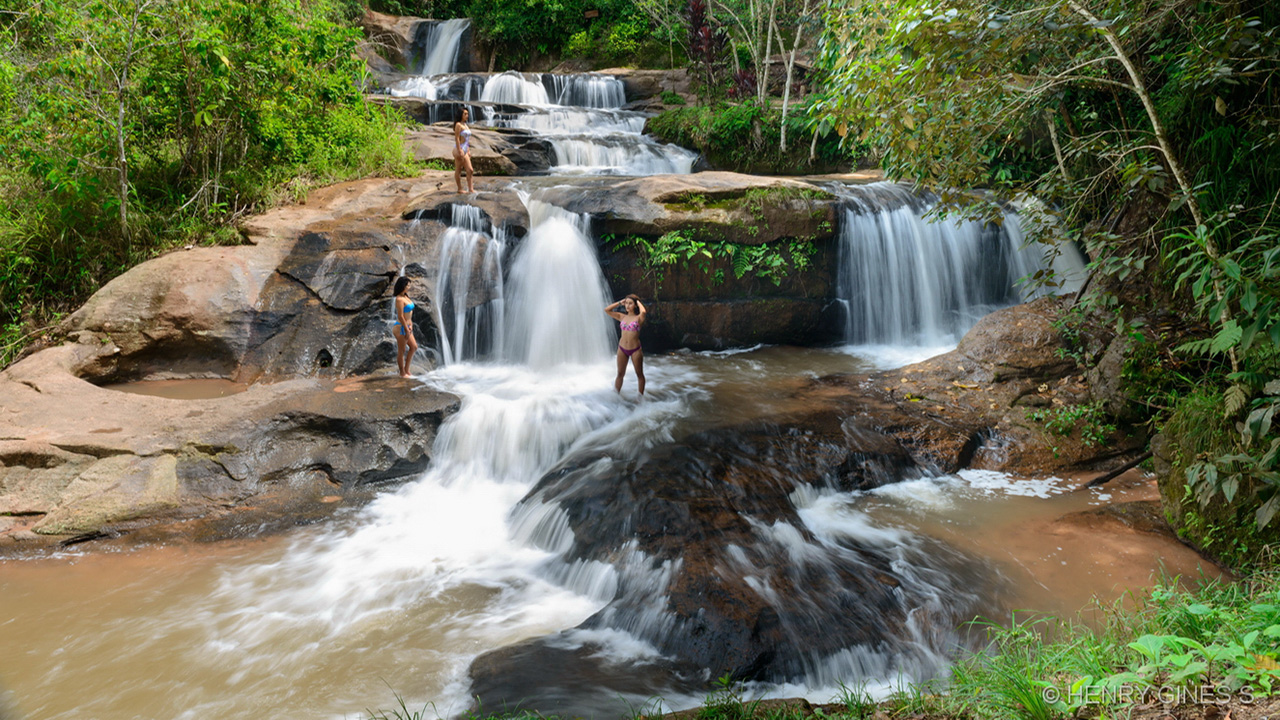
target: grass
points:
(1217, 644)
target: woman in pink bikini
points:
(629, 343)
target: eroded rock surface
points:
(717, 571)
(301, 307)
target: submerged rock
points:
(718, 572)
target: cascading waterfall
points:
(579, 116)
(440, 43)
(905, 279)
(613, 156)
(420, 87)
(512, 88)
(556, 293)
(588, 91)
(468, 293)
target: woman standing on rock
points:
(406, 345)
(462, 151)
(629, 343)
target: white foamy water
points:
(557, 294)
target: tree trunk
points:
(762, 79)
(1175, 167)
(791, 65)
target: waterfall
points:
(553, 120)
(588, 91)
(419, 87)
(468, 292)
(512, 88)
(905, 279)
(612, 155)
(556, 294)
(440, 43)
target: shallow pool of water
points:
(401, 595)
(193, 389)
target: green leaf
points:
(1267, 511)
(1150, 646)
(1233, 400)
(1230, 486)
(1226, 338)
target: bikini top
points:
(466, 132)
(633, 326)
(408, 307)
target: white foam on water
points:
(921, 493)
(889, 357)
(991, 482)
(418, 87)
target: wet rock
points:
(90, 459)
(305, 304)
(974, 406)
(391, 35)
(716, 325)
(718, 572)
(713, 205)
(642, 84)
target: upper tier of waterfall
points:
(580, 115)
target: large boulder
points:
(391, 36)
(79, 458)
(644, 84)
(720, 575)
(291, 316)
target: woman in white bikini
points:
(462, 151)
(629, 344)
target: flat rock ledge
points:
(77, 459)
(297, 315)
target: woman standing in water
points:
(632, 317)
(406, 345)
(462, 151)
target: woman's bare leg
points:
(411, 349)
(470, 187)
(399, 354)
(622, 371)
(637, 360)
(457, 170)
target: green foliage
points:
(144, 125)
(745, 138)
(1246, 294)
(671, 98)
(1090, 419)
(1254, 464)
(1223, 636)
(772, 261)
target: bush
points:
(745, 138)
(228, 104)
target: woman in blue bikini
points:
(629, 344)
(406, 345)
(462, 151)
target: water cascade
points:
(601, 92)
(512, 88)
(905, 279)
(468, 292)
(580, 116)
(440, 43)
(556, 293)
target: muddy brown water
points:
(207, 630)
(195, 389)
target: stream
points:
(400, 595)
